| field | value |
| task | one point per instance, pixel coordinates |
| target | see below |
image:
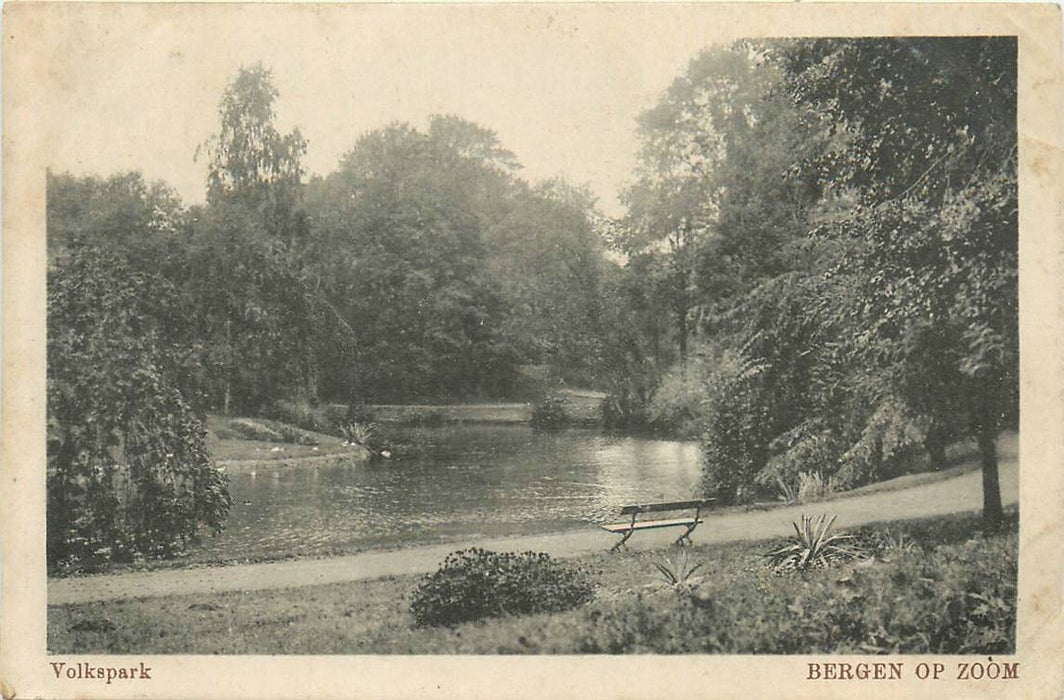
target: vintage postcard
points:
(583, 350)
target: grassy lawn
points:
(954, 592)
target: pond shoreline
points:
(959, 494)
(878, 491)
(358, 454)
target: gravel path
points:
(957, 494)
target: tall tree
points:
(403, 219)
(251, 163)
(270, 328)
(547, 258)
(711, 196)
(925, 134)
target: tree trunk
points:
(992, 514)
(683, 343)
(228, 368)
(683, 306)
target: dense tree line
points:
(817, 272)
(423, 269)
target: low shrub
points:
(226, 433)
(812, 486)
(891, 545)
(476, 583)
(293, 435)
(676, 407)
(314, 418)
(267, 431)
(255, 430)
(552, 412)
(808, 487)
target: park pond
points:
(451, 483)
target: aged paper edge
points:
(34, 36)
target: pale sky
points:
(138, 88)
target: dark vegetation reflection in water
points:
(450, 483)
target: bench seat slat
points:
(659, 507)
(648, 524)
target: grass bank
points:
(953, 592)
(255, 442)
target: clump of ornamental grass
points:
(813, 545)
(358, 433)
(679, 574)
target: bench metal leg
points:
(690, 528)
(686, 535)
(627, 534)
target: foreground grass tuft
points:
(932, 586)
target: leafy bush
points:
(734, 445)
(475, 583)
(551, 412)
(813, 545)
(676, 407)
(623, 412)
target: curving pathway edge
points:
(954, 495)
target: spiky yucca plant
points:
(813, 545)
(679, 575)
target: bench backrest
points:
(658, 507)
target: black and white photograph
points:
(428, 331)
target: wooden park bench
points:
(628, 528)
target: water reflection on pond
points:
(452, 482)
